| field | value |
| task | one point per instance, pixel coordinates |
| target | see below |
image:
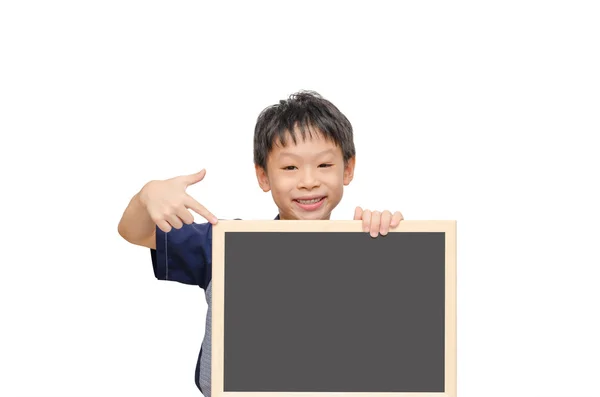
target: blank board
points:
(320, 308)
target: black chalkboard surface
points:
(320, 308)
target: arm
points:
(136, 225)
(162, 204)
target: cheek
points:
(334, 178)
(283, 184)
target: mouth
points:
(310, 203)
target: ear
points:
(263, 179)
(349, 171)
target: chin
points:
(313, 216)
(310, 218)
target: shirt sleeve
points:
(184, 255)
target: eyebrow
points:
(289, 154)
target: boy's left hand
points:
(377, 222)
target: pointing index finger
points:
(198, 208)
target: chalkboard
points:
(303, 308)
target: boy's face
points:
(306, 179)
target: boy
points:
(304, 155)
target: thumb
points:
(358, 214)
(195, 178)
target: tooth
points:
(311, 201)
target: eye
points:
(289, 168)
(326, 165)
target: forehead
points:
(312, 145)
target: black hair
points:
(304, 110)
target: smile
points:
(310, 204)
(312, 201)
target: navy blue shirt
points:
(187, 258)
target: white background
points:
(481, 112)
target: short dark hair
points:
(302, 110)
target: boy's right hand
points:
(167, 202)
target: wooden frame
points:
(446, 226)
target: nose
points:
(308, 179)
